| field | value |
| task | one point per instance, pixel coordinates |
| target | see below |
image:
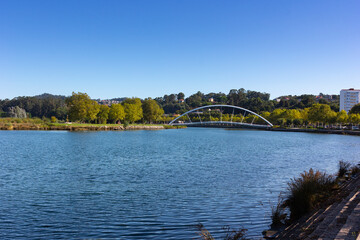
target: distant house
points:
(211, 99)
(107, 102)
(181, 100)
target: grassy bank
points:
(44, 124)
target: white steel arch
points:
(219, 105)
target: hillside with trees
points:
(288, 110)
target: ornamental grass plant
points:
(307, 192)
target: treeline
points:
(45, 105)
(318, 115)
(48, 105)
(283, 111)
(252, 100)
(82, 109)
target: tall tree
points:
(103, 114)
(355, 109)
(133, 109)
(77, 106)
(151, 110)
(81, 107)
(116, 113)
(342, 117)
(16, 112)
(181, 95)
(92, 110)
(320, 113)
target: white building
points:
(349, 98)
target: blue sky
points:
(150, 48)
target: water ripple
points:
(152, 184)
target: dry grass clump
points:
(307, 192)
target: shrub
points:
(53, 119)
(307, 192)
(126, 123)
(37, 121)
(344, 167)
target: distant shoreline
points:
(120, 127)
(307, 130)
(326, 131)
(82, 127)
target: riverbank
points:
(81, 127)
(308, 130)
(280, 129)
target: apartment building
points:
(349, 98)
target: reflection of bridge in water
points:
(221, 116)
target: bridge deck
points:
(221, 124)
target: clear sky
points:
(148, 48)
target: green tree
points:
(355, 109)
(320, 113)
(77, 105)
(92, 110)
(133, 109)
(342, 117)
(354, 118)
(266, 115)
(276, 114)
(151, 110)
(53, 119)
(292, 114)
(103, 114)
(81, 107)
(180, 95)
(116, 113)
(305, 114)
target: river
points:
(152, 184)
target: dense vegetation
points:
(284, 111)
(81, 108)
(252, 100)
(45, 105)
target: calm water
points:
(152, 184)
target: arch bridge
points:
(221, 116)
